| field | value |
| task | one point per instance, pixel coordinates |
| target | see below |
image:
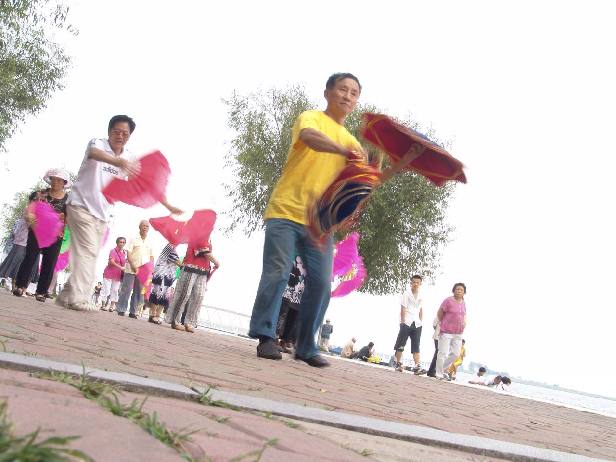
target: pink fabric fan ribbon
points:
(348, 266)
(144, 273)
(62, 261)
(145, 189)
(48, 223)
(197, 229)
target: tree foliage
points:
(32, 63)
(14, 210)
(403, 227)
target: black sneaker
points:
(120, 313)
(132, 315)
(315, 361)
(268, 349)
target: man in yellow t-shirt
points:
(319, 149)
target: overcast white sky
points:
(525, 91)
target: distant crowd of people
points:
(177, 285)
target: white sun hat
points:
(58, 173)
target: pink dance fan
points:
(144, 190)
(48, 224)
(62, 261)
(144, 273)
(349, 267)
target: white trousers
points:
(449, 347)
(110, 289)
(86, 236)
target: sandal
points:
(40, 298)
(155, 320)
(18, 292)
(189, 328)
(177, 327)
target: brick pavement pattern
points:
(106, 341)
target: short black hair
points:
(416, 276)
(506, 380)
(482, 369)
(122, 118)
(371, 344)
(118, 239)
(339, 76)
(459, 284)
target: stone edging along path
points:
(357, 423)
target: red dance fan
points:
(48, 224)
(415, 150)
(339, 206)
(145, 189)
(196, 230)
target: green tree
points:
(403, 227)
(14, 210)
(32, 63)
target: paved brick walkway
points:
(107, 341)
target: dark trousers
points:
(48, 264)
(287, 322)
(432, 370)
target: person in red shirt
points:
(196, 270)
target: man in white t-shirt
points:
(139, 253)
(411, 316)
(88, 211)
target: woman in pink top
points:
(112, 276)
(452, 315)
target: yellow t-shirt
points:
(307, 173)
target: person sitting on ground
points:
(349, 349)
(364, 353)
(499, 381)
(480, 373)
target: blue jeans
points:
(283, 240)
(131, 287)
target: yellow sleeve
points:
(307, 119)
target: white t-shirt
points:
(93, 176)
(412, 307)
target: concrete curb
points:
(406, 432)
